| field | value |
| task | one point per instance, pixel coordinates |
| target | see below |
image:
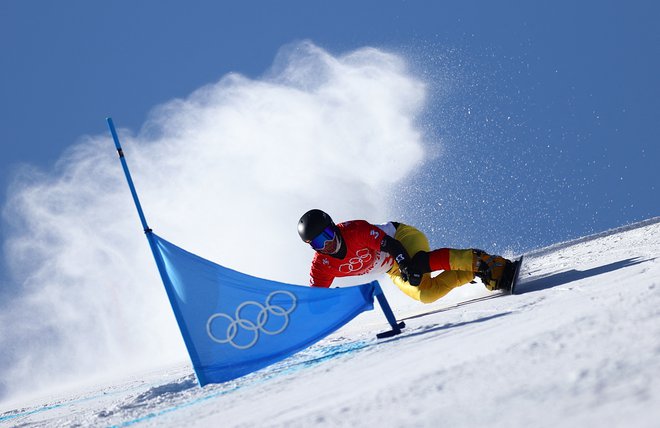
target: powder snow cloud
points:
(224, 173)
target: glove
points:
(409, 274)
(414, 278)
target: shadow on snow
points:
(562, 278)
(436, 327)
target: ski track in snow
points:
(580, 345)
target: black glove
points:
(408, 273)
(414, 278)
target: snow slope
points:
(580, 345)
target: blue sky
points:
(549, 112)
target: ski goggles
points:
(323, 238)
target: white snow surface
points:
(578, 346)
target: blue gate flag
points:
(234, 324)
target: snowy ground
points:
(579, 346)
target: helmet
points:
(317, 229)
(312, 223)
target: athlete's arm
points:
(394, 248)
(318, 278)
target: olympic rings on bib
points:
(356, 264)
(248, 325)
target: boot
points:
(491, 269)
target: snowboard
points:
(511, 274)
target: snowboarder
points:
(358, 247)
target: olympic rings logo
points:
(356, 264)
(251, 326)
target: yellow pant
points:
(431, 289)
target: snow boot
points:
(492, 270)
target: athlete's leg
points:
(489, 268)
(430, 289)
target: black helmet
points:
(312, 223)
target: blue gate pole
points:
(162, 270)
(111, 125)
(387, 310)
